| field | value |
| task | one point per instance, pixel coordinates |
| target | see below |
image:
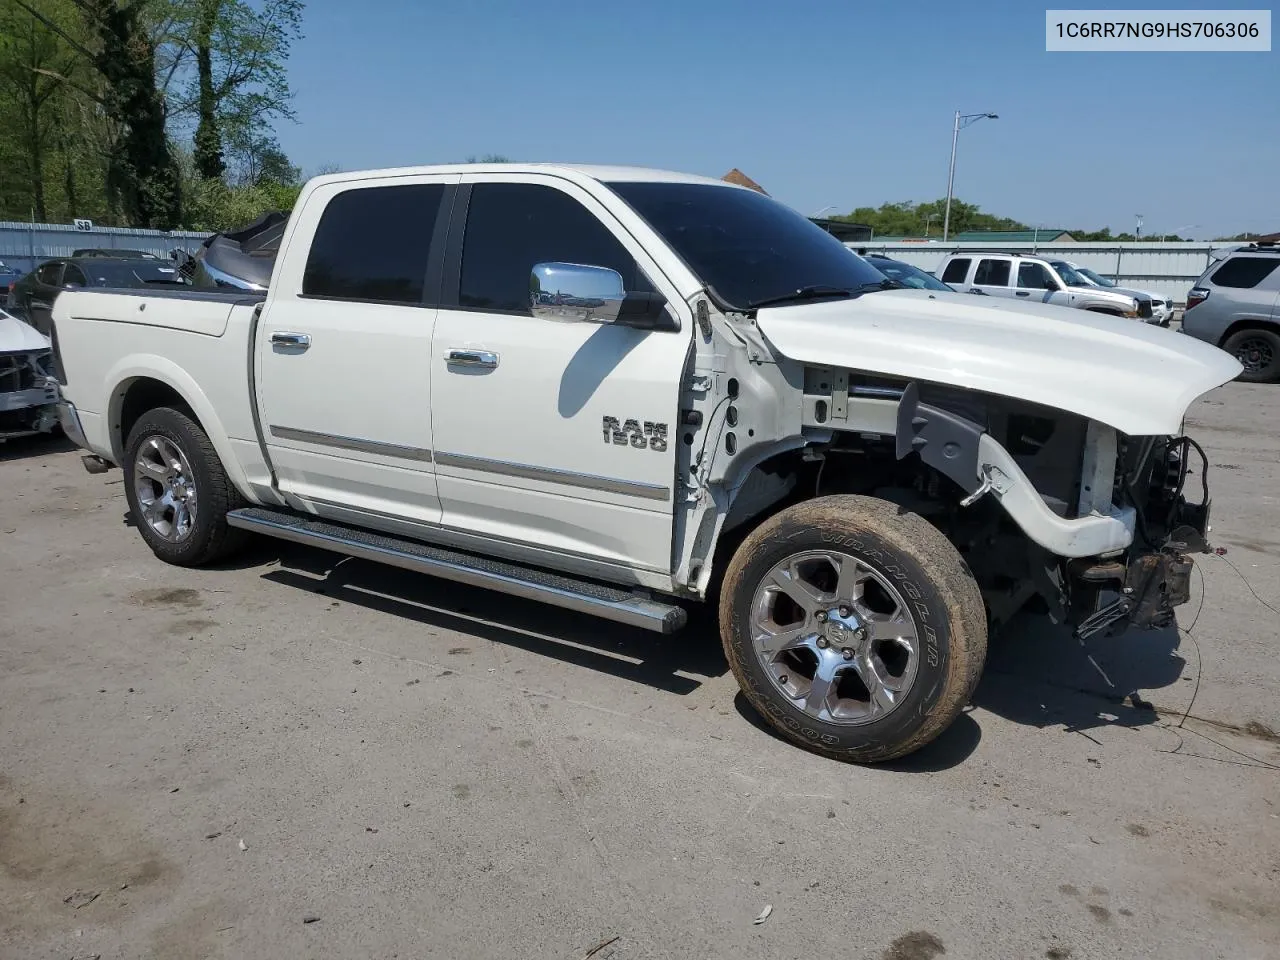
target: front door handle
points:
(471, 358)
(1023, 293)
(299, 341)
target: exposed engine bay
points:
(929, 449)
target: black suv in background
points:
(31, 298)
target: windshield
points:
(1069, 275)
(1097, 278)
(907, 275)
(744, 246)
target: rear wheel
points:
(178, 490)
(1258, 350)
(855, 629)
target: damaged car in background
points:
(28, 391)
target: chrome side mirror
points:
(576, 292)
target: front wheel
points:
(178, 491)
(854, 628)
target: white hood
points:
(1134, 377)
(18, 337)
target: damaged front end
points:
(1142, 586)
(28, 395)
(28, 390)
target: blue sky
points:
(846, 103)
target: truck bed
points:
(195, 311)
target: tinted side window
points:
(1245, 272)
(1034, 276)
(49, 273)
(73, 274)
(993, 272)
(512, 226)
(956, 271)
(371, 244)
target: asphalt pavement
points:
(300, 756)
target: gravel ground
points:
(198, 763)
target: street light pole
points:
(962, 121)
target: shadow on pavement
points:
(1038, 674)
(40, 445)
(662, 662)
(952, 747)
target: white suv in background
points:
(1035, 278)
(1161, 306)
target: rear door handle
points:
(1023, 293)
(299, 341)
(471, 358)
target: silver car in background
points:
(1236, 305)
(1032, 278)
(1161, 306)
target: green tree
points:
(912, 219)
(226, 60)
(33, 63)
(114, 46)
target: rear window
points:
(372, 243)
(956, 270)
(1244, 272)
(992, 272)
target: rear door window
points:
(1244, 272)
(74, 276)
(993, 273)
(956, 270)
(372, 243)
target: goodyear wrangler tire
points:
(178, 490)
(855, 629)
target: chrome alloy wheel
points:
(835, 636)
(166, 489)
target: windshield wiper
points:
(888, 283)
(804, 293)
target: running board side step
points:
(584, 596)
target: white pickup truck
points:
(624, 391)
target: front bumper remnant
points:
(1147, 590)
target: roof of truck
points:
(603, 173)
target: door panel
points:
(992, 276)
(567, 438)
(522, 451)
(344, 350)
(1034, 283)
(346, 417)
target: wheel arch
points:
(142, 383)
(1249, 323)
